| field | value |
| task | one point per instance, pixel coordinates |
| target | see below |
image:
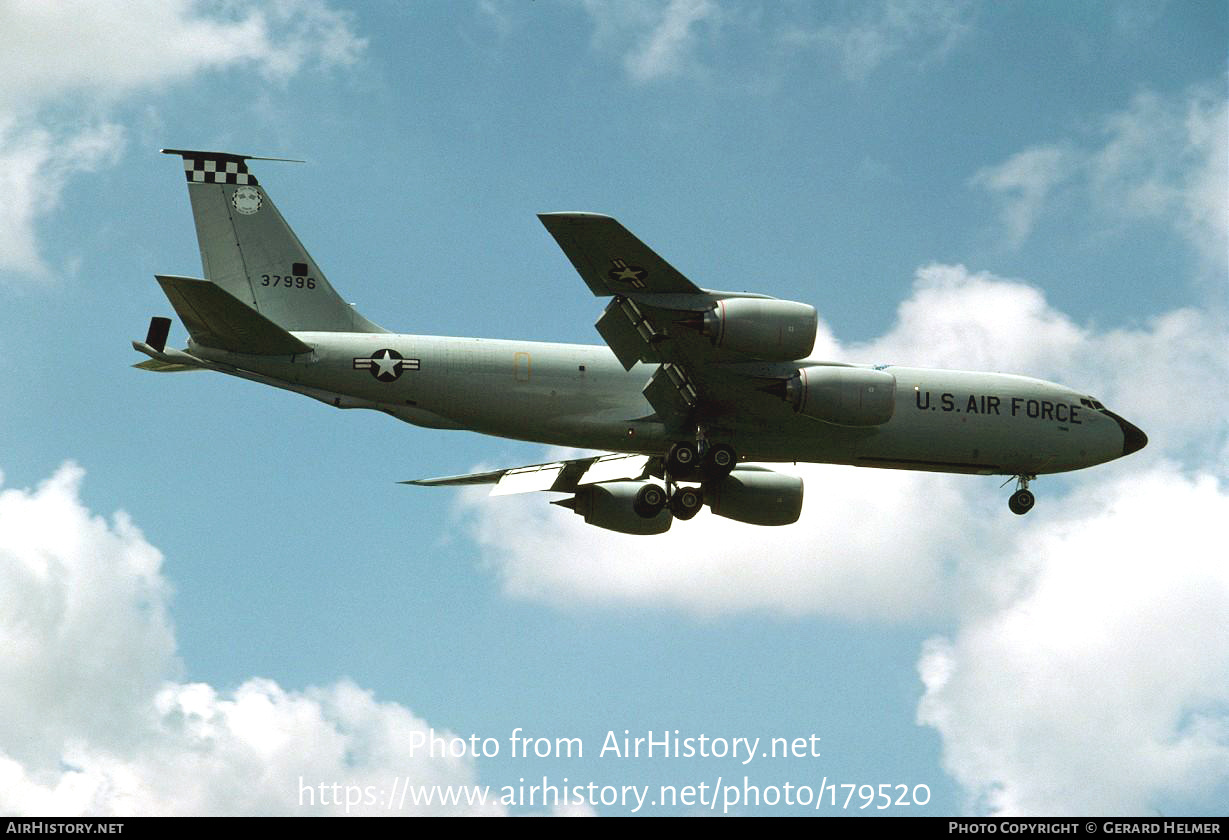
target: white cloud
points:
(657, 39)
(1104, 687)
(667, 48)
(71, 664)
(259, 750)
(1168, 376)
(1159, 159)
(113, 47)
(93, 722)
(1025, 181)
(923, 32)
(830, 562)
(1169, 160)
(975, 321)
(35, 166)
(59, 56)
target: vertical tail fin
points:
(248, 249)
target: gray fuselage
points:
(581, 396)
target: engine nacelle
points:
(846, 396)
(756, 496)
(772, 330)
(609, 505)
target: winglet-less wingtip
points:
(206, 153)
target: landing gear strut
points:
(1022, 501)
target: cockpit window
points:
(1089, 402)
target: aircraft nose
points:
(1133, 437)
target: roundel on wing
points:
(633, 275)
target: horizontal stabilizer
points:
(159, 366)
(216, 318)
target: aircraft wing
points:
(705, 372)
(560, 476)
(610, 259)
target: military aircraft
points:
(694, 391)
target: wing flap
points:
(616, 468)
(527, 479)
(671, 393)
(627, 332)
(557, 476)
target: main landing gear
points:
(686, 461)
(1022, 501)
(684, 502)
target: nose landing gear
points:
(1022, 501)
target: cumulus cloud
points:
(48, 135)
(827, 563)
(121, 47)
(1024, 181)
(1168, 375)
(956, 318)
(657, 39)
(1103, 687)
(36, 164)
(94, 721)
(667, 47)
(1159, 159)
(71, 664)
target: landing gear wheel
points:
(1021, 502)
(686, 502)
(681, 460)
(649, 501)
(719, 461)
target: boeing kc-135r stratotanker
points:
(693, 390)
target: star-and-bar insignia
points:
(631, 274)
(385, 365)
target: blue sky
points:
(213, 590)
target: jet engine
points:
(772, 330)
(756, 496)
(611, 505)
(846, 396)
